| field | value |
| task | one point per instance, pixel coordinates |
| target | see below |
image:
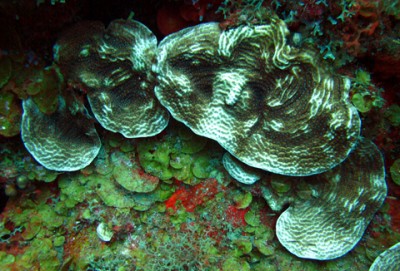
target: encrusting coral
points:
(59, 141)
(113, 66)
(325, 221)
(240, 171)
(271, 105)
(333, 220)
(387, 260)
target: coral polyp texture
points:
(271, 105)
(60, 141)
(329, 224)
(113, 66)
(388, 260)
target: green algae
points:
(86, 214)
(362, 102)
(51, 220)
(72, 191)
(40, 251)
(178, 155)
(200, 166)
(264, 265)
(252, 218)
(244, 245)
(154, 158)
(130, 176)
(179, 160)
(254, 245)
(263, 241)
(59, 241)
(242, 199)
(44, 86)
(303, 190)
(364, 94)
(235, 264)
(4, 232)
(181, 166)
(392, 114)
(10, 115)
(38, 223)
(36, 172)
(362, 77)
(32, 229)
(280, 184)
(114, 195)
(395, 171)
(188, 142)
(6, 260)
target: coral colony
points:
(247, 137)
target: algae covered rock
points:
(130, 176)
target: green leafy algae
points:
(392, 113)
(178, 155)
(10, 114)
(395, 171)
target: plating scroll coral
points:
(272, 106)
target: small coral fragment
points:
(239, 171)
(104, 232)
(59, 141)
(330, 223)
